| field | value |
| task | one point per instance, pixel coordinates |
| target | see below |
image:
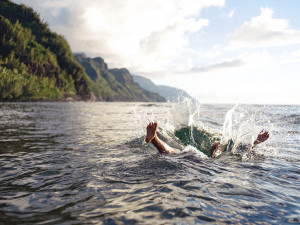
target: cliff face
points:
(36, 63)
(113, 84)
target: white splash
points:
(227, 126)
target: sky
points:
(219, 51)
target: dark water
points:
(87, 163)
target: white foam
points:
(192, 149)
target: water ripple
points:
(87, 163)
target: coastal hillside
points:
(113, 84)
(170, 93)
(36, 63)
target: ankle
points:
(154, 139)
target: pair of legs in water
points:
(163, 148)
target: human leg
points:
(218, 148)
(151, 137)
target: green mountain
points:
(170, 93)
(36, 63)
(113, 84)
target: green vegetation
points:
(114, 84)
(35, 63)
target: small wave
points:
(194, 151)
(292, 119)
(150, 105)
(135, 143)
(142, 170)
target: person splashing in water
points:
(217, 148)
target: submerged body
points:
(216, 149)
(200, 139)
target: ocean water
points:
(87, 163)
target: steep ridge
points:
(113, 84)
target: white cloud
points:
(264, 31)
(291, 57)
(231, 13)
(141, 35)
(219, 66)
(260, 58)
(246, 59)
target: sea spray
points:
(143, 114)
(187, 123)
(193, 112)
(242, 125)
(227, 126)
(186, 114)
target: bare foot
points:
(151, 132)
(213, 150)
(216, 147)
(263, 136)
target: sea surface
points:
(87, 163)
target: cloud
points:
(246, 59)
(259, 58)
(264, 31)
(138, 34)
(231, 13)
(291, 57)
(219, 66)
